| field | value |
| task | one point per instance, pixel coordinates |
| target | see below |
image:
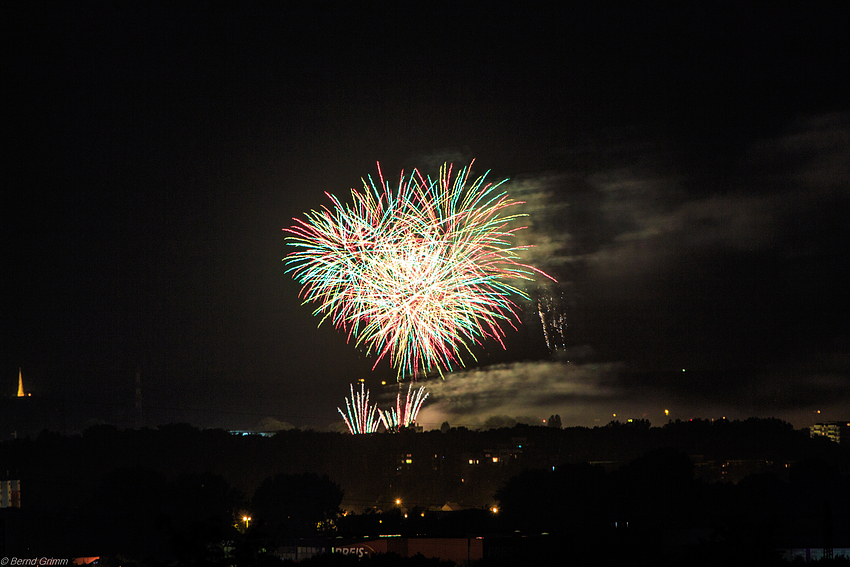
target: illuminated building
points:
(25, 415)
(10, 493)
(20, 384)
(834, 430)
(458, 550)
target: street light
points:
(247, 520)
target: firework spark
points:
(404, 415)
(417, 274)
(361, 416)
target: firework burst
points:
(403, 415)
(361, 415)
(417, 274)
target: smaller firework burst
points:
(552, 308)
(403, 416)
(361, 416)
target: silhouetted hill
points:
(168, 490)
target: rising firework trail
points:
(419, 273)
(403, 415)
(360, 416)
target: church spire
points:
(20, 384)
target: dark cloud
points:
(726, 283)
(537, 388)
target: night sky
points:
(686, 173)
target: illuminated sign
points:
(356, 550)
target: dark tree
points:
(203, 505)
(547, 500)
(129, 513)
(294, 505)
(656, 488)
